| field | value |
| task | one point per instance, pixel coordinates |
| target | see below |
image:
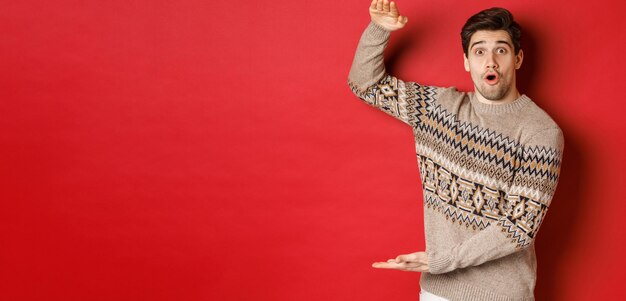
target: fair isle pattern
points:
(538, 174)
(470, 151)
(480, 164)
(483, 165)
(408, 101)
(475, 205)
(530, 195)
(461, 201)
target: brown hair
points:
(495, 18)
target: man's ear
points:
(519, 58)
(466, 62)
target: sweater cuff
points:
(438, 263)
(377, 32)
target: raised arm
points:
(368, 79)
(368, 66)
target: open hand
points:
(386, 15)
(414, 262)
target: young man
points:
(489, 160)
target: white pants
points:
(426, 296)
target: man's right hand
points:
(386, 15)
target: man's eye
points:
(479, 52)
(501, 50)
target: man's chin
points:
(496, 97)
(494, 94)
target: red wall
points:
(212, 150)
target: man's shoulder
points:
(538, 118)
(538, 123)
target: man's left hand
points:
(414, 262)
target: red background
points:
(212, 150)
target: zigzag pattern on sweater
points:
(538, 174)
(467, 148)
(481, 165)
(407, 101)
(475, 205)
(473, 155)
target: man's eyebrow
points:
(497, 42)
(504, 42)
(479, 42)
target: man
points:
(489, 160)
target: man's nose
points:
(491, 61)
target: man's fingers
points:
(413, 264)
(388, 265)
(379, 5)
(386, 5)
(403, 19)
(405, 263)
(373, 5)
(393, 8)
(413, 267)
(413, 257)
(406, 257)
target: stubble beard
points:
(494, 93)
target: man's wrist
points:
(377, 31)
(438, 262)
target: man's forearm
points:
(368, 66)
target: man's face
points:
(491, 61)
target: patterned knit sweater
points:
(488, 174)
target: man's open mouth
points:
(492, 78)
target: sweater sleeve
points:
(368, 80)
(522, 209)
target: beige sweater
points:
(488, 174)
